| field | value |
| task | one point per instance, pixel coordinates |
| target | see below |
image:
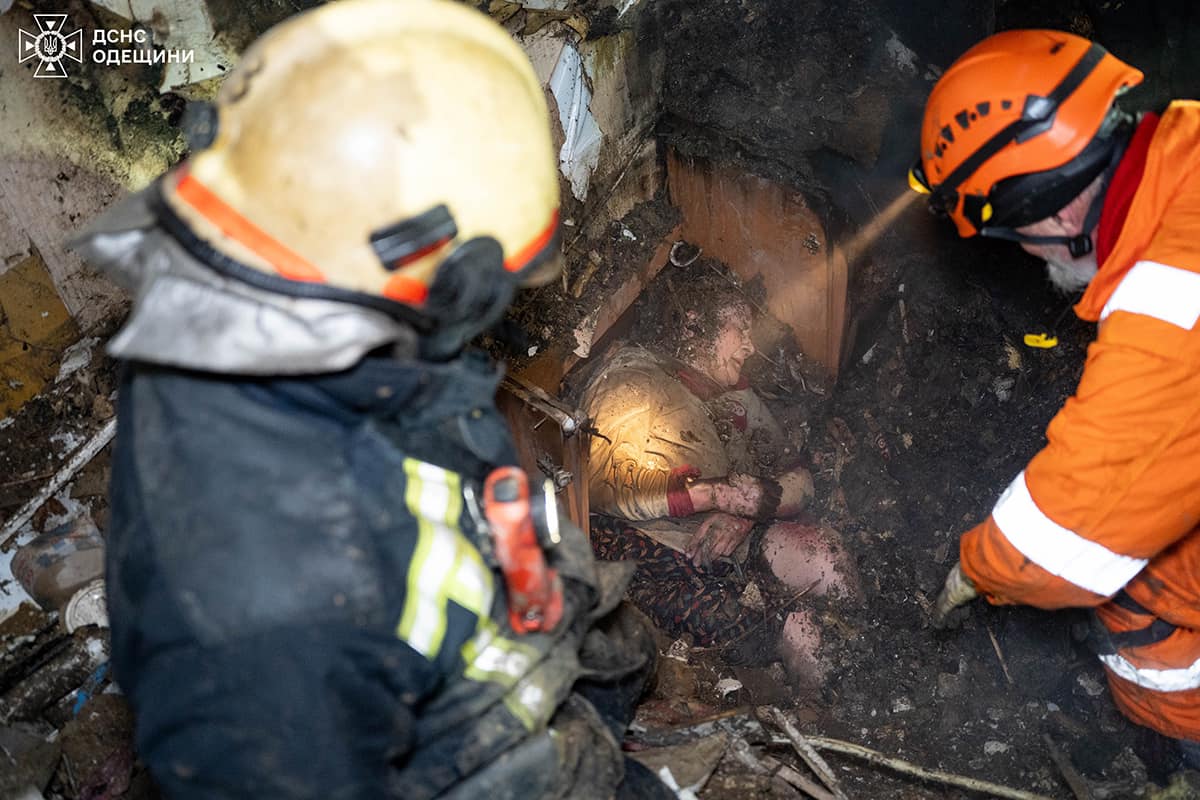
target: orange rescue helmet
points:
(1018, 127)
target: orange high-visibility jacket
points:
(1113, 500)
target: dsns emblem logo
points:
(50, 46)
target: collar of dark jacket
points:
(390, 387)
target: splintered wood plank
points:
(44, 201)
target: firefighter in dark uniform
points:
(305, 592)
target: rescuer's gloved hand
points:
(958, 591)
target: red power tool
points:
(535, 598)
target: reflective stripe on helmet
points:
(1160, 680)
(285, 261)
(1160, 291)
(531, 251)
(444, 566)
(1058, 550)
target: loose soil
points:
(939, 406)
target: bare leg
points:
(799, 645)
(804, 555)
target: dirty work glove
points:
(958, 591)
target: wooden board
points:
(759, 227)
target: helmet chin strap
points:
(1078, 246)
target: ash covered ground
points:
(939, 405)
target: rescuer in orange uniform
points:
(1022, 141)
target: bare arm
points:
(747, 496)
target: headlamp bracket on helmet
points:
(404, 242)
(199, 124)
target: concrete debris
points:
(545, 5)
(902, 57)
(76, 357)
(992, 748)
(752, 597)
(1090, 686)
(679, 650)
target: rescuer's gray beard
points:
(1071, 276)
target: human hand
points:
(718, 535)
(958, 591)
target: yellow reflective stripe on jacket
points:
(531, 703)
(445, 566)
(492, 657)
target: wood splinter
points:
(806, 752)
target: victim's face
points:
(732, 347)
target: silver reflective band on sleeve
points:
(1058, 550)
(1160, 291)
(1160, 680)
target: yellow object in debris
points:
(35, 326)
(1041, 340)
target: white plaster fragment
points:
(582, 137)
(545, 5)
(177, 25)
(626, 5)
(75, 358)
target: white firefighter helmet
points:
(359, 144)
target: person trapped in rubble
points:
(300, 599)
(1022, 140)
(690, 472)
